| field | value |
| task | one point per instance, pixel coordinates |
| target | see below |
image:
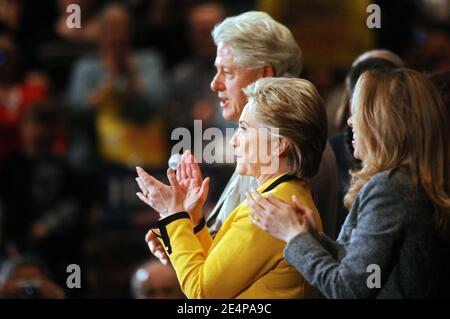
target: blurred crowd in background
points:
(80, 108)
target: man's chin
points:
(229, 116)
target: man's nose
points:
(217, 83)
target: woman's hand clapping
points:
(280, 219)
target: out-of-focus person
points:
(26, 278)
(125, 90)
(153, 280)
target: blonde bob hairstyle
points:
(257, 40)
(295, 108)
(402, 120)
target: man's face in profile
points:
(229, 81)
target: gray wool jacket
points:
(387, 247)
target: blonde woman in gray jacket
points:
(394, 242)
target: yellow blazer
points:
(242, 261)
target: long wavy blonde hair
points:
(403, 121)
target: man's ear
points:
(269, 71)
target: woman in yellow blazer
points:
(282, 134)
